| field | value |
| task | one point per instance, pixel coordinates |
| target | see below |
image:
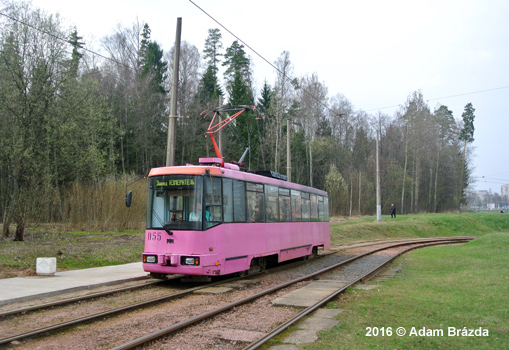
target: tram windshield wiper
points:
(164, 226)
(167, 229)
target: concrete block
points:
(46, 266)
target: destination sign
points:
(175, 183)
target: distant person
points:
(393, 211)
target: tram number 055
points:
(154, 236)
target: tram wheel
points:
(314, 253)
(241, 273)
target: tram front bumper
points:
(182, 264)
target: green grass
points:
(440, 287)
(73, 250)
(423, 225)
(84, 249)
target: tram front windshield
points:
(175, 203)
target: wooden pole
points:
(288, 152)
(172, 122)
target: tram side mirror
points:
(128, 199)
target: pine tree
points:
(76, 56)
(212, 47)
(151, 61)
(236, 61)
(466, 135)
(209, 87)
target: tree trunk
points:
(435, 204)
(417, 183)
(6, 222)
(20, 230)
(460, 192)
(310, 163)
(360, 183)
(351, 193)
(430, 209)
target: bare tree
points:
(283, 89)
(312, 97)
(139, 105)
(191, 126)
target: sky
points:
(375, 53)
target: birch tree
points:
(312, 97)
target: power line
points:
(64, 40)
(259, 55)
(445, 97)
(504, 172)
(263, 58)
(291, 80)
(68, 42)
(468, 93)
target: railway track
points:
(110, 292)
(180, 325)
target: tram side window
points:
(306, 207)
(271, 203)
(228, 200)
(296, 205)
(239, 201)
(322, 211)
(213, 205)
(314, 207)
(254, 196)
(285, 210)
(326, 201)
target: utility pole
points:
(172, 122)
(378, 189)
(288, 152)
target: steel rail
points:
(119, 290)
(73, 300)
(183, 324)
(108, 313)
(164, 298)
(113, 311)
(366, 276)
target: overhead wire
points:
(68, 42)
(247, 45)
(267, 61)
(64, 40)
(307, 92)
(445, 97)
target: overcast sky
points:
(373, 52)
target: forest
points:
(76, 126)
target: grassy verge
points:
(72, 249)
(84, 249)
(463, 287)
(424, 225)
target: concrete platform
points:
(26, 288)
(310, 294)
(308, 329)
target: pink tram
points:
(213, 219)
(247, 220)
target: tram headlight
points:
(150, 259)
(190, 260)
